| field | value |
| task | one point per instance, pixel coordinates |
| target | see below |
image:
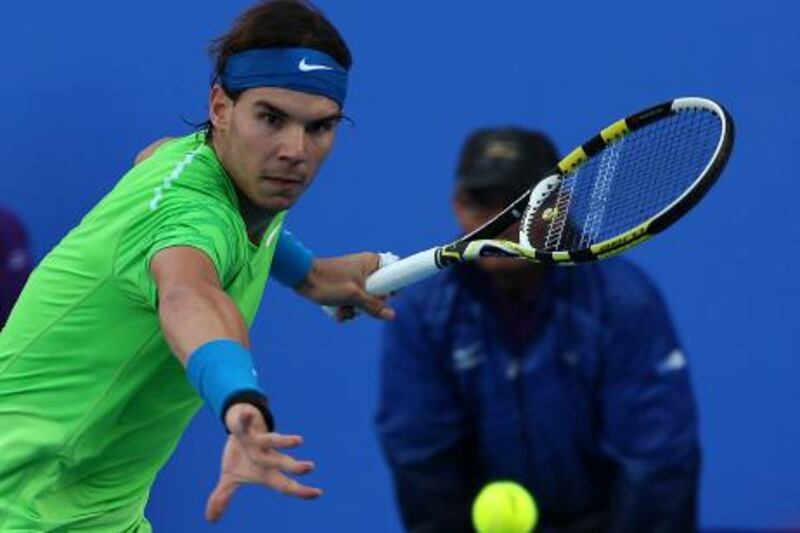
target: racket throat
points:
(461, 252)
(450, 254)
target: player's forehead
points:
(298, 105)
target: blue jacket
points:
(593, 412)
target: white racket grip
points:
(402, 273)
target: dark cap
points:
(504, 161)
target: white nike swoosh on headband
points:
(308, 67)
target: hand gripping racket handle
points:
(399, 273)
(386, 259)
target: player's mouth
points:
(284, 181)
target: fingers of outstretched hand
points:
(291, 487)
(279, 440)
(222, 494)
(263, 451)
(287, 464)
(220, 498)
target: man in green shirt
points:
(160, 281)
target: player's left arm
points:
(336, 281)
(649, 419)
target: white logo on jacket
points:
(672, 363)
(468, 357)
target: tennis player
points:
(570, 381)
(140, 314)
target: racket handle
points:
(399, 274)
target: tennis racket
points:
(631, 181)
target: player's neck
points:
(256, 219)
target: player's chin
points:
(278, 201)
(274, 204)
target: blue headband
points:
(298, 69)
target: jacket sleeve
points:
(649, 420)
(422, 425)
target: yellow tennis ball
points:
(504, 507)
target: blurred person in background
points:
(15, 261)
(570, 381)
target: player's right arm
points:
(207, 333)
(192, 307)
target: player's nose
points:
(292, 144)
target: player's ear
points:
(220, 108)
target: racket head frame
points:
(479, 243)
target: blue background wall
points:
(88, 83)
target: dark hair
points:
(277, 24)
(498, 164)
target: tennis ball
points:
(504, 507)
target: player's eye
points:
(272, 119)
(322, 126)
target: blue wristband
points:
(222, 369)
(292, 260)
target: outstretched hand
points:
(339, 282)
(252, 456)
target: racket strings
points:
(676, 150)
(599, 196)
(627, 183)
(558, 212)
